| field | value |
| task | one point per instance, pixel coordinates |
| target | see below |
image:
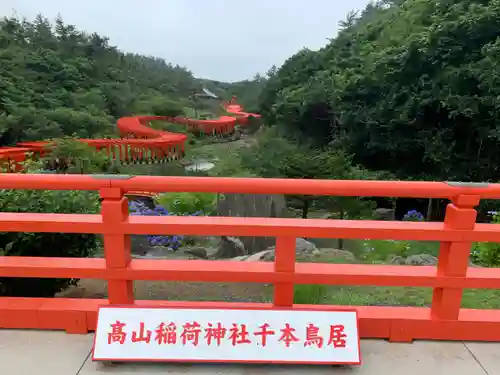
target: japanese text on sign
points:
(227, 335)
(214, 333)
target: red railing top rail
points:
(126, 183)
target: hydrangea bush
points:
(173, 242)
(413, 215)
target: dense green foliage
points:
(247, 91)
(67, 155)
(274, 156)
(58, 81)
(44, 244)
(408, 86)
(487, 253)
(188, 203)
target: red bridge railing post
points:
(114, 209)
(284, 263)
(454, 256)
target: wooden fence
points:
(444, 320)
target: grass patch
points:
(381, 250)
(481, 299)
(388, 296)
(310, 294)
(378, 251)
(379, 296)
(407, 296)
(207, 149)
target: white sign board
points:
(230, 335)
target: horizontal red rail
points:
(158, 184)
(52, 182)
(254, 272)
(397, 323)
(250, 226)
(443, 320)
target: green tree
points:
(406, 86)
(273, 156)
(58, 81)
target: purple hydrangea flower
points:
(413, 215)
(140, 209)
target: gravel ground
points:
(182, 291)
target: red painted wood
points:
(445, 320)
(138, 138)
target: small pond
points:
(200, 165)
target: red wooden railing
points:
(443, 320)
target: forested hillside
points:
(56, 80)
(247, 91)
(408, 86)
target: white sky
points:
(218, 39)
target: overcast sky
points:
(226, 40)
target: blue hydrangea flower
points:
(140, 209)
(413, 215)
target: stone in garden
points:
(269, 255)
(263, 256)
(139, 245)
(230, 247)
(396, 259)
(302, 246)
(240, 258)
(334, 254)
(421, 259)
(199, 252)
(251, 205)
(386, 214)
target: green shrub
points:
(68, 155)
(487, 253)
(45, 244)
(188, 203)
(309, 294)
(156, 105)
